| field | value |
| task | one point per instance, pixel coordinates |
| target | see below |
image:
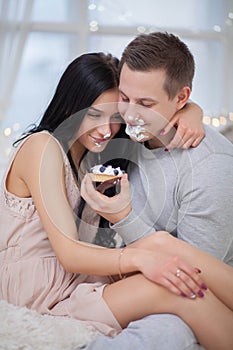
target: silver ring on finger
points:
(177, 273)
(192, 296)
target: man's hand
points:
(114, 208)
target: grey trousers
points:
(156, 332)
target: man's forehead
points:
(144, 83)
(139, 92)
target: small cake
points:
(101, 173)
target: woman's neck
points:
(77, 151)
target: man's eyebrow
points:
(149, 99)
(122, 92)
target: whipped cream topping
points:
(107, 170)
(136, 132)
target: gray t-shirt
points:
(187, 193)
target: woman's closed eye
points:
(94, 113)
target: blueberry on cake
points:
(101, 173)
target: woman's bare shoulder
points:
(34, 150)
(38, 143)
(25, 166)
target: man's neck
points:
(161, 141)
(152, 144)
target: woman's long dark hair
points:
(83, 81)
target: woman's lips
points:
(98, 141)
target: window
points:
(39, 38)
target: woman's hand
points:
(113, 208)
(190, 130)
(170, 272)
(162, 266)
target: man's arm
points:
(205, 217)
(133, 227)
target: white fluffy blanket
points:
(24, 329)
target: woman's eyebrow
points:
(95, 109)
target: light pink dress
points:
(30, 273)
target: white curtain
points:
(15, 18)
(14, 25)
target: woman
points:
(43, 265)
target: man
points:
(186, 192)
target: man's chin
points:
(135, 140)
(139, 138)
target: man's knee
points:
(167, 331)
(156, 332)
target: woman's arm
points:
(45, 179)
(190, 130)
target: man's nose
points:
(131, 115)
(134, 118)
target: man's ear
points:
(182, 97)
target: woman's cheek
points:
(115, 128)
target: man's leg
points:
(156, 332)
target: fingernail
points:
(197, 270)
(203, 286)
(165, 149)
(200, 294)
(183, 295)
(162, 132)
